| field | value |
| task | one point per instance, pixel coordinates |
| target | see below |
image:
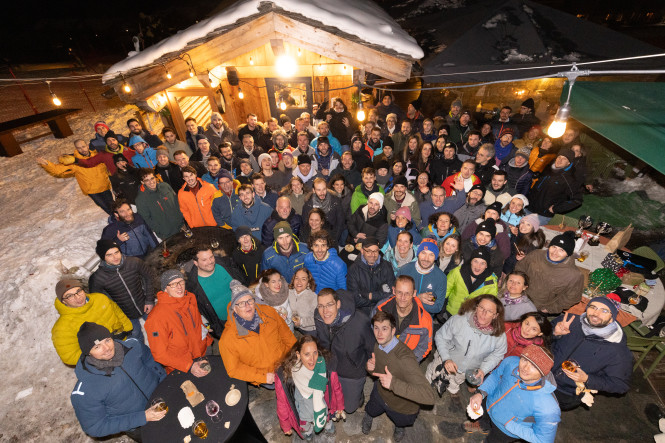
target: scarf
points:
(375, 188)
(107, 366)
(253, 325)
(484, 329)
(547, 257)
(402, 261)
(312, 384)
(507, 300)
(489, 245)
(324, 160)
(605, 332)
(274, 299)
(516, 334)
(423, 271)
(324, 204)
(466, 274)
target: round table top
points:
(213, 386)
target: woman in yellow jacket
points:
(75, 308)
(94, 182)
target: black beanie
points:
(481, 188)
(400, 180)
(487, 226)
(496, 206)
(110, 134)
(304, 159)
(565, 241)
(481, 252)
(118, 158)
(529, 103)
(568, 153)
(103, 246)
(91, 334)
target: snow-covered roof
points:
(361, 18)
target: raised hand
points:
(371, 364)
(385, 379)
(563, 327)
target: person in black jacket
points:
(135, 128)
(125, 181)
(193, 129)
(346, 333)
(283, 212)
(444, 160)
(369, 278)
(209, 280)
(129, 231)
(125, 280)
(168, 171)
(248, 254)
(330, 204)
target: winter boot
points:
(398, 434)
(367, 424)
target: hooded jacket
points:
(417, 335)
(363, 279)
(98, 309)
(458, 293)
(552, 286)
(523, 411)
(249, 262)
(349, 339)
(146, 159)
(252, 217)
(329, 273)
(91, 180)
(175, 332)
(250, 356)
(558, 188)
(287, 266)
(107, 404)
(160, 209)
(467, 346)
(197, 208)
(141, 239)
(128, 284)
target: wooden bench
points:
(55, 119)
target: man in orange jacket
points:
(255, 339)
(94, 181)
(195, 199)
(176, 334)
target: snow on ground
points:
(362, 18)
(48, 227)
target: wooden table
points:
(213, 386)
(656, 296)
(56, 120)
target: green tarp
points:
(622, 209)
(632, 115)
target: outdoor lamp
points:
(55, 99)
(126, 87)
(360, 116)
(558, 126)
(286, 66)
(240, 94)
(282, 105)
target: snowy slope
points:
(362, 18)
(48, 225)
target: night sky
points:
(100, 32)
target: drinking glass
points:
(213, 411)
(160, 404)
(200, 429)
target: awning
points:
(632, 115)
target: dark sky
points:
(100, 32)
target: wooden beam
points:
(277, 46)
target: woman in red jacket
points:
(308, 391)
(533, 328)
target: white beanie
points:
(262, 156)
(376, 196)
(523, 198)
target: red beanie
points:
(537, 356)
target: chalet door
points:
(198, 103)
(295, 93)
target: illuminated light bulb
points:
(344, 67)
(299, 52)
(240, 94)
(282, 106)
(251, 61)
(360, 115)
(56, 100)
(168, 75)
(191, 73)
(127, 88)
(558, 126)
(286, 66)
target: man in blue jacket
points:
(328, 270)
(595, 342)
(115, 381)
(517, 400)
(146, 156)
(287, 254)
(250, 211)
(430, 280)
(129, 231)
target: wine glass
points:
(213, 411)
(214, 244)
(160, 404)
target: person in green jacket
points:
(158, 205)
(471, 279)
(365, 189)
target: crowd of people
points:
(404, 249)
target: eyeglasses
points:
(242, 304)
(324, 307)
(149, 179)
(175, 284)
(596, 308)
(371, 251)
(485, 311)
(73, 294)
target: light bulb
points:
(127, 88)
(360, 116)
(556, 129)
(251, 61)
(168, 75)
(240, 94)
(191, 73)
(56, 100)
(282, 106)
(299, 52)
(286, 66)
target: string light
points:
(125, 85)
(299, 52)
(360, 116)
(240, 94)
(286, 66)
(558, 126)
(282, 106)
(168, 74)
(191, 72)
(54, 98)
(251, 61)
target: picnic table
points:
(56, 120)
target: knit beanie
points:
(525, 200)
(238, 290)
(161, 150)
(481, 252)
(404, 211)
(110, 134)
(280, 228)
(400, 180)
(91, 334)
(524, 152)
(242, 230)
(382, 164)
(568, 153)
(103, 247)
(537, 356)
(496, 206)
(119, 158)
(533, 220)
(201, 137)
(376, 196)
(565, 241)
(487, 226)
(168, 276)
(429, 244)
(65, 285)
(263, 157)
(304, 159)
(479, 187)
(529, 103)
(507, 131)
(103, 124)
(223, 173)
(356, 137)
(611, 301)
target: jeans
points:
(104, 200)
(137, 332)
(376, 406)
